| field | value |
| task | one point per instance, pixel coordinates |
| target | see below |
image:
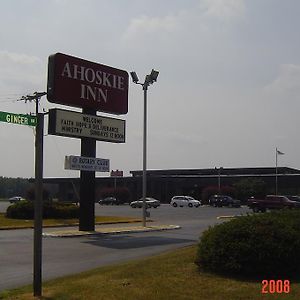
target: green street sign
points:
(18, 119)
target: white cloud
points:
(223, 9)
(192, 19)
(287, 83)
(20, 71)
(151, 25)
(177, 137)
(213, 56)
(17, 58)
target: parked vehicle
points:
(15, 199)
(109, 201)
(182, 201)
(150, 202)
(223, 200)
(294, 198)
(271, 202)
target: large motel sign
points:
(93, 87)
(76, 82)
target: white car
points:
(15, 199)
(182, 201)
(150, 202)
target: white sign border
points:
(74, 124)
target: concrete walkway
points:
(100, 230)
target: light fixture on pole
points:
(149, 79)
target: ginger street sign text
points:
(78, 125)
(18, 119)
(76, 82)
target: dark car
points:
(109, 201)
(223, 200)
(294, 198)
(271, 202)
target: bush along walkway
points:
(261, 246)
(9, 223)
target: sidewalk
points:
(107, 229)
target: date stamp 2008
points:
(275, 286)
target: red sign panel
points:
(76, 82)
(116, 173)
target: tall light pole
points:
(149, 79)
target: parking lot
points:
(168, 214)
(165, 213)
(63, 256)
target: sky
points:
(227, 93)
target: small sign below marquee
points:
(86, 163)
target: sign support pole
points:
(38, 206)
(87, 184)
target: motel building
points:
(164, 184)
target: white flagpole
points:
(276, 171)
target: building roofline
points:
(224, 171)
(193, 173)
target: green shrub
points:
(51, 210)
(58, 210)
(260, 246)
(248, 187)
(21, 210)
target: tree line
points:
(10, 187)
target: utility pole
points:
(38, 201)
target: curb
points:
(225, 217)
(70, 225)
(105, 231)
(229, 217)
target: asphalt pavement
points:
(111, 245)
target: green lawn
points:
(168, 276)
(6, 223)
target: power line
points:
(8, 101)
(10, 97)
(35, 97)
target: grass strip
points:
(7, 223)
(167, 276)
